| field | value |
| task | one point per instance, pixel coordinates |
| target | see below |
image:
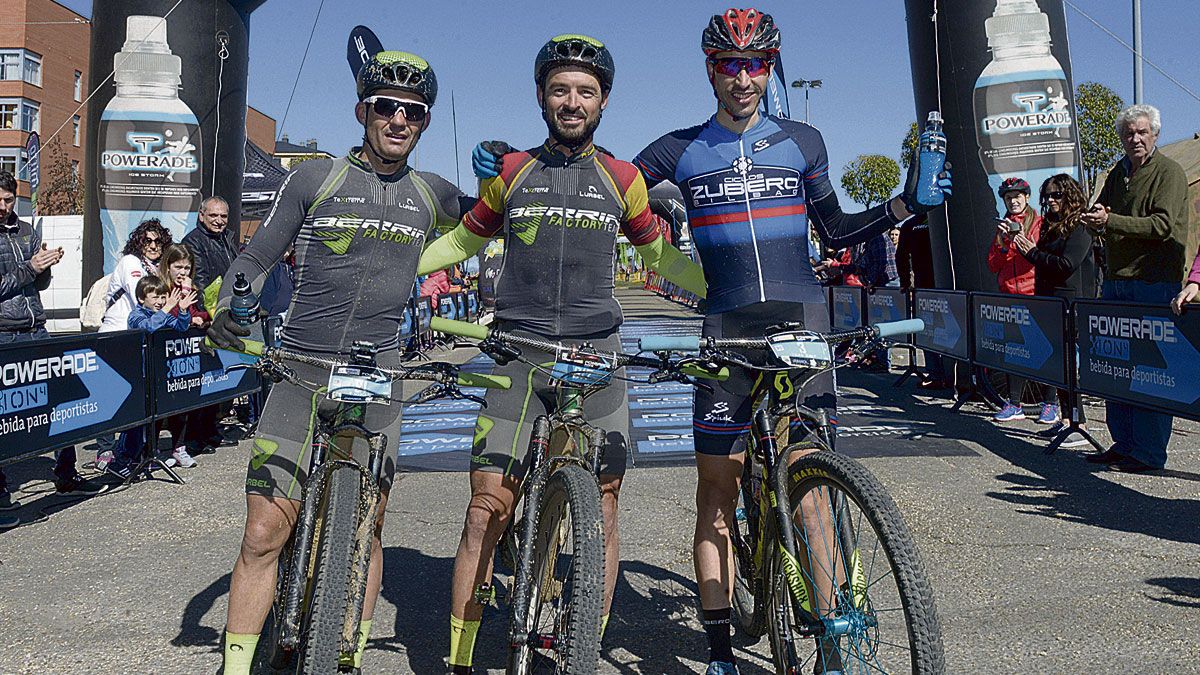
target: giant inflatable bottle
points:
(1023, 112)
(149, 166)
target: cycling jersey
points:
(358, 236)
(560, 217)
(749, 198)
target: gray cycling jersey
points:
(358, 236)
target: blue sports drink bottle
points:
(931, 150)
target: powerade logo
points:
(728, 186)
(1145, 328)
(1014, 315)
(1038, 111)
(49, 368)
(152, 152)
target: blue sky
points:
(483, 52)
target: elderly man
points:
(1141, 214)
(212, 242)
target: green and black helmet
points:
(397, 70)
(575, 50)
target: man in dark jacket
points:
(212, 242)
(25, 264)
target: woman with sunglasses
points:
(142, 252)
(1062, 262)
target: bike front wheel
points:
(861, 573)
(560, 622)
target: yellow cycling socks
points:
(355, 660)
(462, 640)
(603, 625)
(239, 652)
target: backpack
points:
(91, 312)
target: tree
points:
(870, 179)
(60, 192)
(909, 144)
(1096, 108)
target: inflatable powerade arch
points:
(168, 129)
(1000, 72)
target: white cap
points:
(146, 58)
(1016, 23)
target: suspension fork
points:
(539, 449)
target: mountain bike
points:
(322, 572)
(822, 556)
(557, 593)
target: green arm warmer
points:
(674, 265)
(456, 246)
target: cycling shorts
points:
(279, 451)
(721, 418)
(504, 427)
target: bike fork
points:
(539, 447)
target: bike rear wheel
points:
(566, 580)
(862, 573)
(330, 572)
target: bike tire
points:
(270, 657)
(831, 477)
(321, 626)
(748, 609)
(566, 592)
(777, 616)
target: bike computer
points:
(801, 349)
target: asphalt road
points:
(1039, 563)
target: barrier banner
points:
(1140, 354)
(183, 378)
(887, 304)
(60, 391)
(1021, 334)
(845, 306)
(946, 319)
(425, 313)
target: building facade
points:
(44, 51)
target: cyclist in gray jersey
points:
(359, 224)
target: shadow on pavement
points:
(1179, 591)
(192, 633)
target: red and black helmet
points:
(1013, 185)
(740, 30)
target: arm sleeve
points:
(1168, 204)
(277, 231)
(451, 203)
(455, 246)
(837, 229)
(674, 265)
(658, 161)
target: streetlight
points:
(806, 85)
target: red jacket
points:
(1013, 272)
(844, 265)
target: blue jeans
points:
(1139, 432)
(64, 458)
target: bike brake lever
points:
(429, 393)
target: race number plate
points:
(801, 349)
(582, 369)
(359, 384)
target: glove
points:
(227, 333)
(485, 158)
(911, 202)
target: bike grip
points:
(669, 343)
(481, 380)
(904, 327)
(253, 348)
(696, 371)
(460, 328)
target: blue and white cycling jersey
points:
(750, 198)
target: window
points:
(75, 129)
(9, 158)
(8, 114)
(78, 86)
(33, 69)
(10, 61)
(30, 116)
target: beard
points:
(571, 138)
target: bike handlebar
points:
(691, 343)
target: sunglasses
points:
(153, 241)
(1057, 194)
(731, 66)
(386, 106)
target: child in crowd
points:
(156, 301)
(195, 430)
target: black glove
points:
(226, 333)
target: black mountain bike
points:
(322, 574)
(823, 561)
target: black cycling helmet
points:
(740, 30)
(398, 70)
(575, 50)
(1013, 185)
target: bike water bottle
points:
(931, 150)
(244, 305)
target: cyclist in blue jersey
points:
(752, 184)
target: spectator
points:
(212, 242)
(1191, 289)
(876, 262)
(1141, 214)
(276, 296)
(154, 311)
(914, 268)
(1063, 262)
(842, 268)
(25, 263)
(193, 430)
(1015, 275)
